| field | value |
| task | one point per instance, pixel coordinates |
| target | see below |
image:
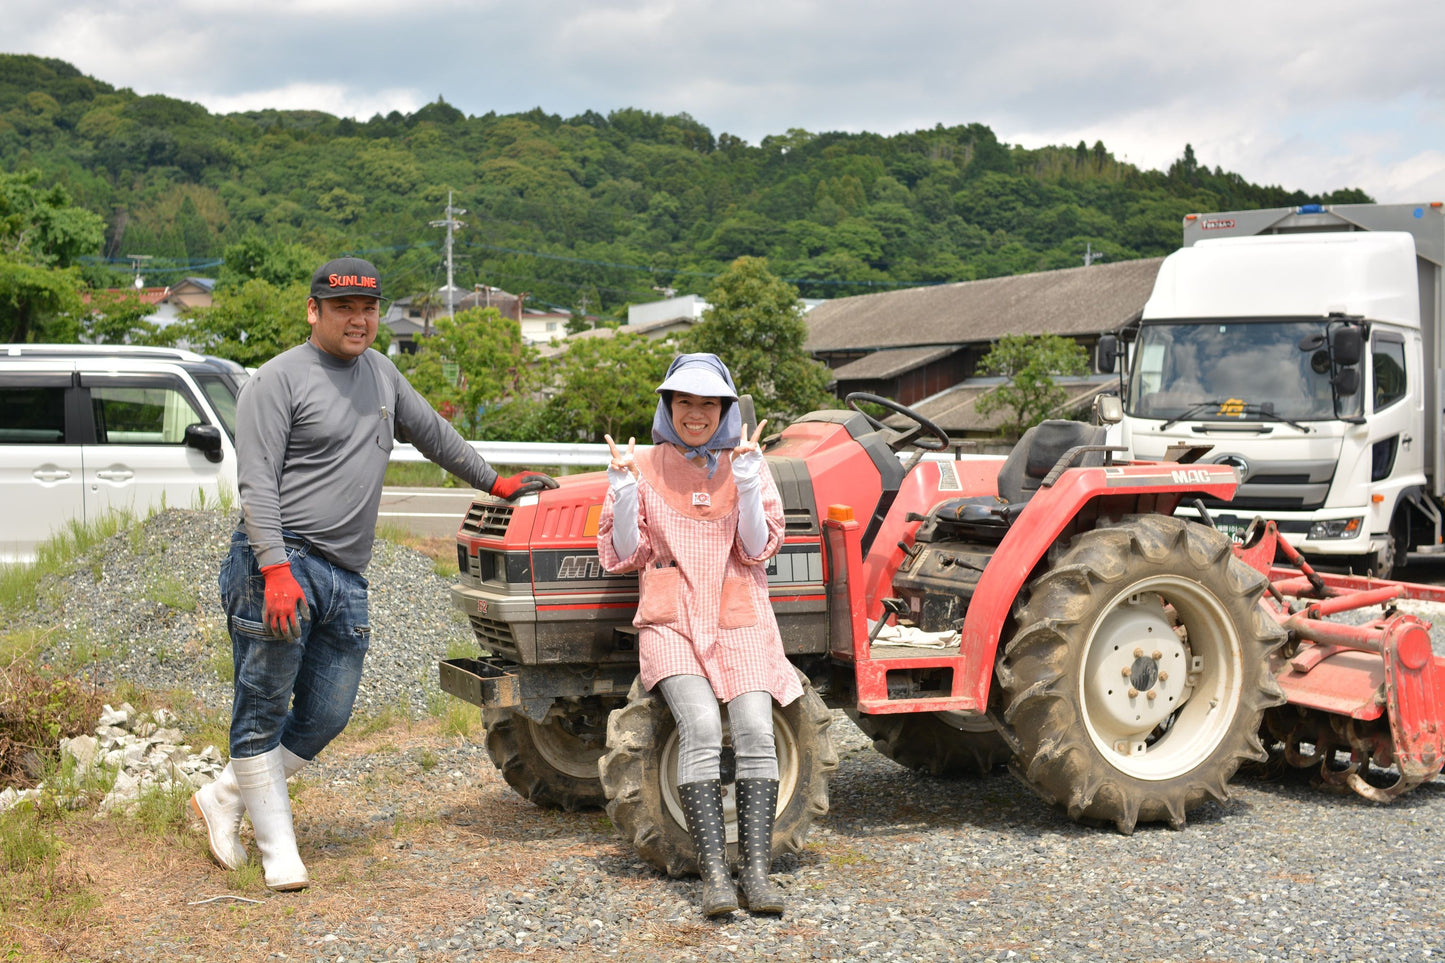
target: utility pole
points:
(450, 223)
(136, 261)
(1089, 256)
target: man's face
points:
(344, 327)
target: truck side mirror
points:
(1346, 381)
(1108, 350)
(1346, 344)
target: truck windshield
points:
(1235, 370)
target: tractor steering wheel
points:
(924, 434)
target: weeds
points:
(36, 711)
(173, 593)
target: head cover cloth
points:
(345, 276)
(706, 376)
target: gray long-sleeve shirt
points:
(314, 434)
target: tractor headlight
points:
(1337, 528)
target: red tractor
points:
(1046, 610)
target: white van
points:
(87, 428)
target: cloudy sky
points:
(1307, 95)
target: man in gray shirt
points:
(315, 427)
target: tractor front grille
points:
(487, 520)
(493, 632)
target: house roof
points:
(955, 409)
(889, 363)
(1073, 301)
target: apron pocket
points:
(737, 610)
(657, 602)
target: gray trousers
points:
(699, 730)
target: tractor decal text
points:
(1221, 475)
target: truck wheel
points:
(639, 775)
(1139, 672)
(552, 763)
(939, 743)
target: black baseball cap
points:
(345, 276)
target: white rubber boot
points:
(219, 808)
(262, 783)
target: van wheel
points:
(639, 777)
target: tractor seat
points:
(1040, 449)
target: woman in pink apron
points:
(697, 517)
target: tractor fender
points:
(1047, 514)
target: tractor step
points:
(904, 678)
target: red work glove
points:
(283, 596)
(522, 483)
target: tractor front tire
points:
(1139, 672)
(943, 744)
(639, 776)
(552, 763)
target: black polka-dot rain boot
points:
(702, 805)
(757, 801)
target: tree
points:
(755, 324)
(607, 386)
(249, 324)
(121, 317)
(41, 237)
(1029, 364)
(277, 262)
(492, 367)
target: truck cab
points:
(1301, 348)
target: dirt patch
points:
(406, 834)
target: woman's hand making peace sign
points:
(623, 460)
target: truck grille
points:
(487, 520)
(492, 632)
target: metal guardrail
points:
(578, 454)
(525, 453)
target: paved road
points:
(426, 511)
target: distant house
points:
(410, 318)
(171, 302)
(921, 346)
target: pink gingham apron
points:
(704, 606)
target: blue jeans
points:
(293, 692)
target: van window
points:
(32, 415)
(126, 415)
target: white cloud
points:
(336, 99)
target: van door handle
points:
(1405, 440)
(115, 474)
(50, 474)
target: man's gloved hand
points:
(522, 483)
(283, 596)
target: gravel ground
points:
(904, 866)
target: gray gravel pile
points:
(903, 867)
(145, 609)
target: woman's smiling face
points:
(695, 418)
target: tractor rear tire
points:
(639, 775)
(553, 764)
(1139, 672)
(941, 744)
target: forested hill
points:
(590, 211)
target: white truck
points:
(1304, 346)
